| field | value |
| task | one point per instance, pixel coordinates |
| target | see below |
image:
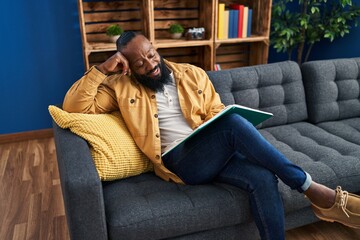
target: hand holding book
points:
(252, 115)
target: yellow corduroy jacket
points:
(98, 93)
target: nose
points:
(150, 64)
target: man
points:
(162, 102)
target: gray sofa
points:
(316, 124)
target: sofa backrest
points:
(332, 89)
(275, 88)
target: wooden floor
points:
(31, 205)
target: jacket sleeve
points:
(90, 95)
(212, 101)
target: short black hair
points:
(125, 38)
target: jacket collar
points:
(178, 69)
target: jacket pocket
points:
(135, 116)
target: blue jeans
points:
(233, 151)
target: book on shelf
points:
(254, 116)
(239, 18)
(249, 22)
(217, 67)
(230, 26)
(221, 19)
(226, 24)
(235, 23)
(245, 21)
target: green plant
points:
(176, 28)
(309, 23)
(114, 30)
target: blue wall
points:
(42, 57)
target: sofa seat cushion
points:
(328, 158)
(145, 205)
(348, 129)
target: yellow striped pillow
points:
(114, 151)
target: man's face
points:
(143, 58)
(146, 64)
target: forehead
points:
(137, 47)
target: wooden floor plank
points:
(34, 217)
(31, 204)
(20, 231)
(4, 156)
(323, 231)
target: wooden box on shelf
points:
(96, 16)
(251, 49)
(190, 14)
(196, 55)
(154, 17)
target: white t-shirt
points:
(173, 126)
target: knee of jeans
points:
(236, 120)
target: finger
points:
(118, 65)
(123, 63)
(125, 67)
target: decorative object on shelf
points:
(195, 33)
(114, 31)
(176, 30)
(317, 20)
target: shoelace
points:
(344, 195)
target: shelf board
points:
(253, 38)
(100, 47)
(163, 43)
(172, 43)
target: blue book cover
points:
(231, 23)
(236, 23)
(249, 22)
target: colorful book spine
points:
(241, 16)
(245, 21)
(249, 22)
(221, 19)
(236, 9)
(217, 67)
(237, 20)
(226, 24)
(231, 23)
(236, 23)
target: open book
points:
(252, 115)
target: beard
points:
(156, 84)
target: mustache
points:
(153, 70)
(156, 84)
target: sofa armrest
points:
(81, 186)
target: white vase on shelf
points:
(114, 38)
(176, 35)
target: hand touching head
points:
(146, 65)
